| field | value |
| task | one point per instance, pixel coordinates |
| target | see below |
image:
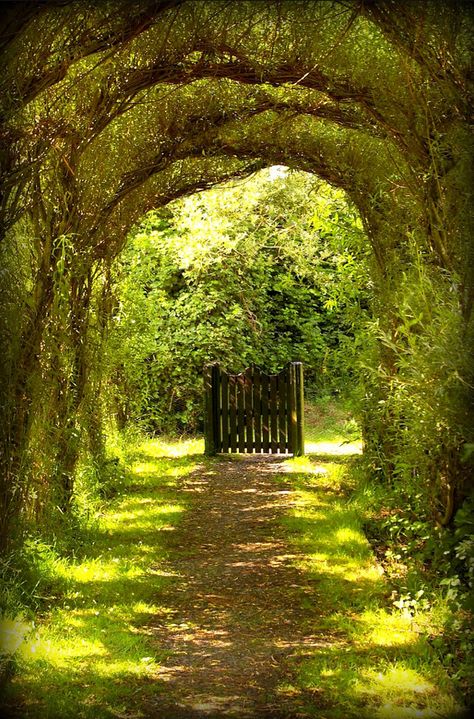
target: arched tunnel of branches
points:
(114, 109)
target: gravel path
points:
(237, 615)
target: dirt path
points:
(237, 615)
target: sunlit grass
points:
(91, 651)
(336, 447)
(13, 632)
(382, 628)
(380, 664)
(173, 448)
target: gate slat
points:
(218, 407)
(253, 411)
(265, 419)
(232, 414)
(209, 444)
(257, 409)
(240, 412)
(273, 414)
(291, 409)
(282, 412)
(248, 411)
(225, 411)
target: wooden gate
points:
(254, 411)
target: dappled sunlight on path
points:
(233, 587)
(280, 609)
(237, 609)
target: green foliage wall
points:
(266, 271)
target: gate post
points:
(291, 408)
(211, 409)
(299, 444)
(296, 406)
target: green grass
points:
(88, 653)
(330, 430)
(378, 662)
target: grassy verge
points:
(87, 652)
(386, 645)
(383, 659)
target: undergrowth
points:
(427, 567)
(373, 660)
(404, 619)
(74, 628)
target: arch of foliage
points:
(113, 109)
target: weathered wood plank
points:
(216, 406)
(241, 412)
(225, 411)
(257, 410)
(292, 436)
(248, 410)
(274, 413)
(282, 436)
(264, 391)
(209, 445)
(232, 413)
(212, 432)
(299, 449)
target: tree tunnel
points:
(114, 109)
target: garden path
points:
(241, 610)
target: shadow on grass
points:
(372, 681)
(379, 666)
(91, 656)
